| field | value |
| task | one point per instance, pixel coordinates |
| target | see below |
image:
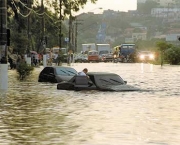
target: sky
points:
(116, 5)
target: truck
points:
(103, 48)
(88, 47)
(104, 51)
(125, 52)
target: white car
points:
(146, 56)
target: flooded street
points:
(34, 113)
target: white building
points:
(141, 1)
(139, 36)
(170, 13)
(172, 37)
(165, 3)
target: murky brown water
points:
(35, 113)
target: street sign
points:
(66, 39)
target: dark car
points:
(56, 74)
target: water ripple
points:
(37, 113)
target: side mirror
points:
(125, 82)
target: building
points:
(139, 36)
(141, 1)
(172, 37)
(166, 3)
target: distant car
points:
(146, 56)
(56, 74)
(107, 57)
(93, 56)
(81, 58)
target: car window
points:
(111, 80)
(103, 52)
(93, 53)
(66, 71)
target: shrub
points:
(172, 55)
(24, 70)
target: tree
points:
(146, 7)
(162, 46)
(18, 12)
(172, 55)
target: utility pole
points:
(3, 29)
(60, 24)
(43, 42)
(70, 29)
(43, 38)
(28, 55)
(28, 29)
(76, 33)
(3, 46)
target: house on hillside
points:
(172, 37)
(139, 36)
(138, 25)
(165, 3)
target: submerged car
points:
(56, 74)
(97, 81)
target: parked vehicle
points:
(81, 58)
(62, 53)
(88, 47)
(93, 56)
(56, 74)
(127, 53)
(107, 57)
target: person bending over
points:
(83, 72)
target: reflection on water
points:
(37, 113)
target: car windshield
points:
(93, 53)
(66, 71)
(103, 52)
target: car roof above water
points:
(100, 73)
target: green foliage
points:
(18, 23)
(19, 42)
(162, 45)
(24, 70)
(145, 8)
(172, 55)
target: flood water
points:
(34, 113)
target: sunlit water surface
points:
(34, 113)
